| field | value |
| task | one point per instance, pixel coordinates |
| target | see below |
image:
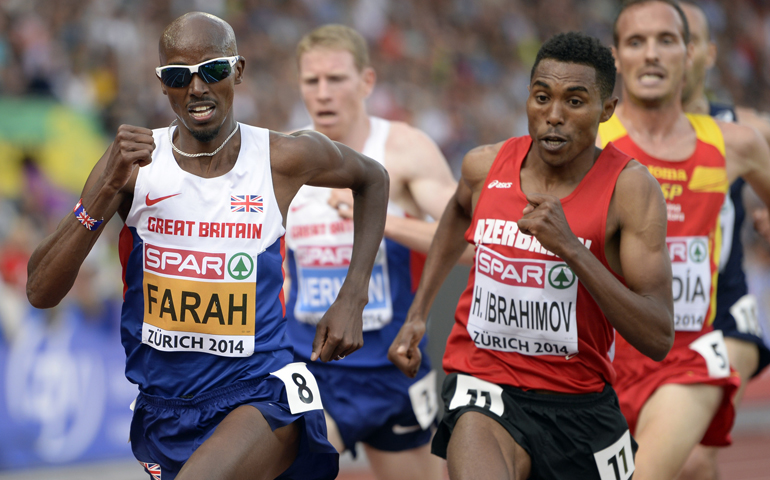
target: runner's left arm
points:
(310, 158)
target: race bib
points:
(301, 388)
(691, 285)
(525, 306)
(471, 391)
(616, 462)
(321, 272)
(713, 349)
(745, 313)
(424, 399)
(199, 301)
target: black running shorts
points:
(566, 436)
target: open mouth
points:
(650, 78)
(325, 114)
(202, 112)
(552, 143)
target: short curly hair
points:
(577, 47)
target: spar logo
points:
(698, 251)
(184, 263)
(519, 273)
(678, 251)
(332, 256)
(240, 266)
(561, 276)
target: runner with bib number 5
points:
(529, 392)
(673, 405)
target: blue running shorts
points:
(165, 432)
(381, 406)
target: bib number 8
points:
(616, 462)
(471, 391)
(301, 388)
(305, 394)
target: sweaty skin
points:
(564, 109)
(334, 90)
(243, 445)
(652, 58)
(743, 355)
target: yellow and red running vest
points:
(694, 190)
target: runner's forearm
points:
(642, 320)
(54, 265)
(447, 247)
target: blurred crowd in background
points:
(72, 71)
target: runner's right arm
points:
(54, 265)
(447, 247)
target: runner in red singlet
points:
(570, 244)
(673, 405)
(737, 308)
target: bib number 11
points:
(616, 462)
(474, 392)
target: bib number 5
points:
(616, 462)
(471, 391)
(712, 348)
(301, 388)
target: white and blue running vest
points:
(202, 268)
(319, 244)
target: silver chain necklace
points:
(171, 140)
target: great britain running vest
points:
(525, 319)
(202, 267)
(694, 190)
(319, 243)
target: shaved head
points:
(194, 29)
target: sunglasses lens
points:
(175, 77)
(215, 71)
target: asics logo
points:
(150, 202)
(499, 184)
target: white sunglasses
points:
(210, 71)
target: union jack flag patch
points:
(153, 469)
(246, 203)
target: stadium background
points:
(71, 71)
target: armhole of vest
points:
(265, 133)
(707, 130)
(616, 175)
(503, 150)
(509, 145)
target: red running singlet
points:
(525, 319)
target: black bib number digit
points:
(305, 394)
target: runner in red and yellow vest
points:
(695, 190)
(525, 319)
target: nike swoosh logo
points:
(298, 207)
(569, 357)
(401, 430)
(150, 202)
